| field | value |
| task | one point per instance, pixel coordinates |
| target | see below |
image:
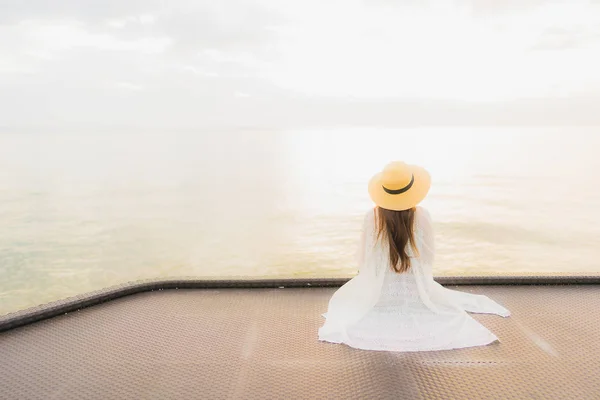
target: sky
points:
(154, 64)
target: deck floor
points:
(261, 344)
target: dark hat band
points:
(403, 190)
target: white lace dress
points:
(382, 310)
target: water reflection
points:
(81, 212)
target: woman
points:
(393, 304)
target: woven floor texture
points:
(261, 344)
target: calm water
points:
(80, 212)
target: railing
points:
(71, 304)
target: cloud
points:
(487, 8)
(194, 62)
(195, 70)
(412, 51)
(145, 19)
(91, 11)
(129, 86)
(57, 37)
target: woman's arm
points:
(427, 245)
(368, 223)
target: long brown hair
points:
(398, 228)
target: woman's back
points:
(375, 248)
(399, 287)
(394, 304)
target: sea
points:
(81, 211)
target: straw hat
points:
(399, 186)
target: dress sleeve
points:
(353, 301)
(427, 243)
(360, 250)
(367, 226)
(434, 295)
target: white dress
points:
(382, 310)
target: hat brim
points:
(404, 201)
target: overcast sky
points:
(279, 63)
